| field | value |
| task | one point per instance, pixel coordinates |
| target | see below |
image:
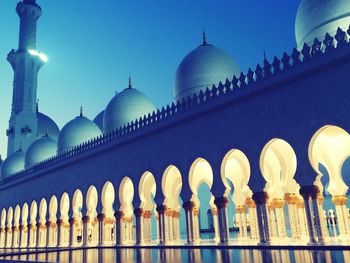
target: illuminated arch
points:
(236, 168)
(107, 199)
(33, 212)
(278, 164)
(171, 186)
(147, 191)
(126, 195)
(330, 146)
(53, 206)
(200, 172)
(77, 204)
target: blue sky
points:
(92, 48)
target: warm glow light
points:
(36, 53)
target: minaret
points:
(26, 62)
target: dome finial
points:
(130, 84)
(20, 147)
(46, 132)
(37, 105)
(204, 38)
(81, 111)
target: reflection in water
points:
(126, 255)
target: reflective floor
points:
(185, 255)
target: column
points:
(240, 215)
(101, 218)
(15, 242)
(139, 225)
(221, 204)
(176, 224)
(323, 217)
(32, 235)
(59, 233)
(254, 233)
(342, 218)
(214, 212)
(86, 220)
(147, 215)
(281, 224)
(291, 200)
(161, 211)
(195, 212)
(72, 232)
(310, 193)
(188, 207)
(260, 199)
(119, 225)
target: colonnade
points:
(284, 212)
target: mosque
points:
(271, 146)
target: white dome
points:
(203, 67)
(124, 107)
(40, 150)
(315, 18)
(13, 164)
(99, 120)
(75, 132)
(45, 123)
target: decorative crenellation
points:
(261, 72)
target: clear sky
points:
(93, 46)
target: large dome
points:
(40, 150)
(99, 120)
(126, 106)
(75, 132)
(315, 18)
(13, 164)
(204, 67)
(45, 123)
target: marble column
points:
(281, 224)
(323, 217)
(138, 212)
(86, 221)
(260, 199)
(342, 218)
(310, 193)
(101, 217)
(188, 207)
(161, 226)
(254, 232)
(214, 212)
(119, 225)
(59, 232)
(291, 200)
(221, 204)
(32, 235)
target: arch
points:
(25, 213)
(278, 164)
(9, 217)
(126, 195)
(235, 167)
(3, 218)
(53, 206)
(91, 201)
(200, 172)
(330, 146)
(107, 199)
(171, 186)
(33, 212)
(147, 190)
(17, 216)
(77, 203)
(64, 206)
(42, 210)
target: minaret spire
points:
(81, 111)
(204, 38)
(130, 84)
(26, 62)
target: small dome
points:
(126, 106)
(315, 18)
(45, 123)
(40, 150)
(99, 120)
(75, 132)
(203, 67)
(13, 164)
